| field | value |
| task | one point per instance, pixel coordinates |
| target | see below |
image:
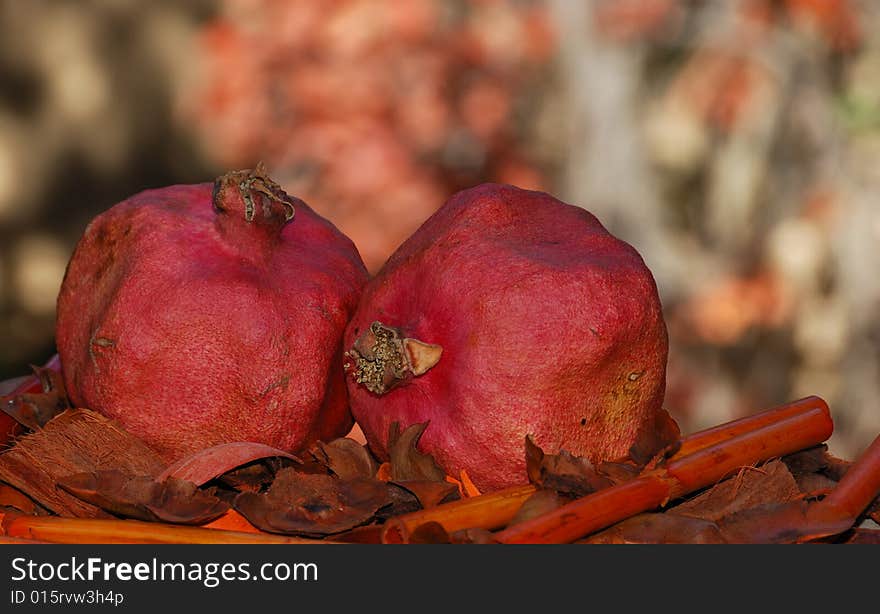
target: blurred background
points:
(733, 143)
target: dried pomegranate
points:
(203, 314)
(510, 313)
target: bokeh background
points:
(734, 143)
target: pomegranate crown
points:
(252, 193)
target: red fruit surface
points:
(549, 326)
(203, 314)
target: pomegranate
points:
(197, 315)
(510, 313)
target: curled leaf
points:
(33, 410)
(660, 440)
(407, 462)
(563, 472)
(207, 464)
(345, 458)
(143, 498)
(312, 505)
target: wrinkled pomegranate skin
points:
(190, 338)
(550, 326)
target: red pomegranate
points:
(202, 314)
(510, 313)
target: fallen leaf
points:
(207, 464)
(563, 472)
(407, 462)
(33, 410)
(770, 483)
(345, 458)
(429, 493)
(312, 505)
(618, 472)
(400, 501)
(144, 498)
(661, 440)
(255, 476)
(541, 502)
(655, 528)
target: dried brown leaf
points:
(400, 501)
(660, 440)
(407, 462)
(538, 504)
(430, 494)
(617, 472)
(770, 483)
(659, 529)
(563, 472)
(33, 410)
(345, 458)
(144, 498)
(254, 477)
(312, 505)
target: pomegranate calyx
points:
(382, 358)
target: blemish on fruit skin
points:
(635, 375)
(583, 422)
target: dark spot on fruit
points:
(583, 422)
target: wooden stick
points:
(489, 511)
(59, 530)
(682, 475)
(495, 510)
(724, 432)
(859, 486)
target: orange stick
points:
(859, 486)
(91, 531)
(488, 511)
(734, 428)
(682, 475)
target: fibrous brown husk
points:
(76, 441)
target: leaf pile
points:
(79, 464)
